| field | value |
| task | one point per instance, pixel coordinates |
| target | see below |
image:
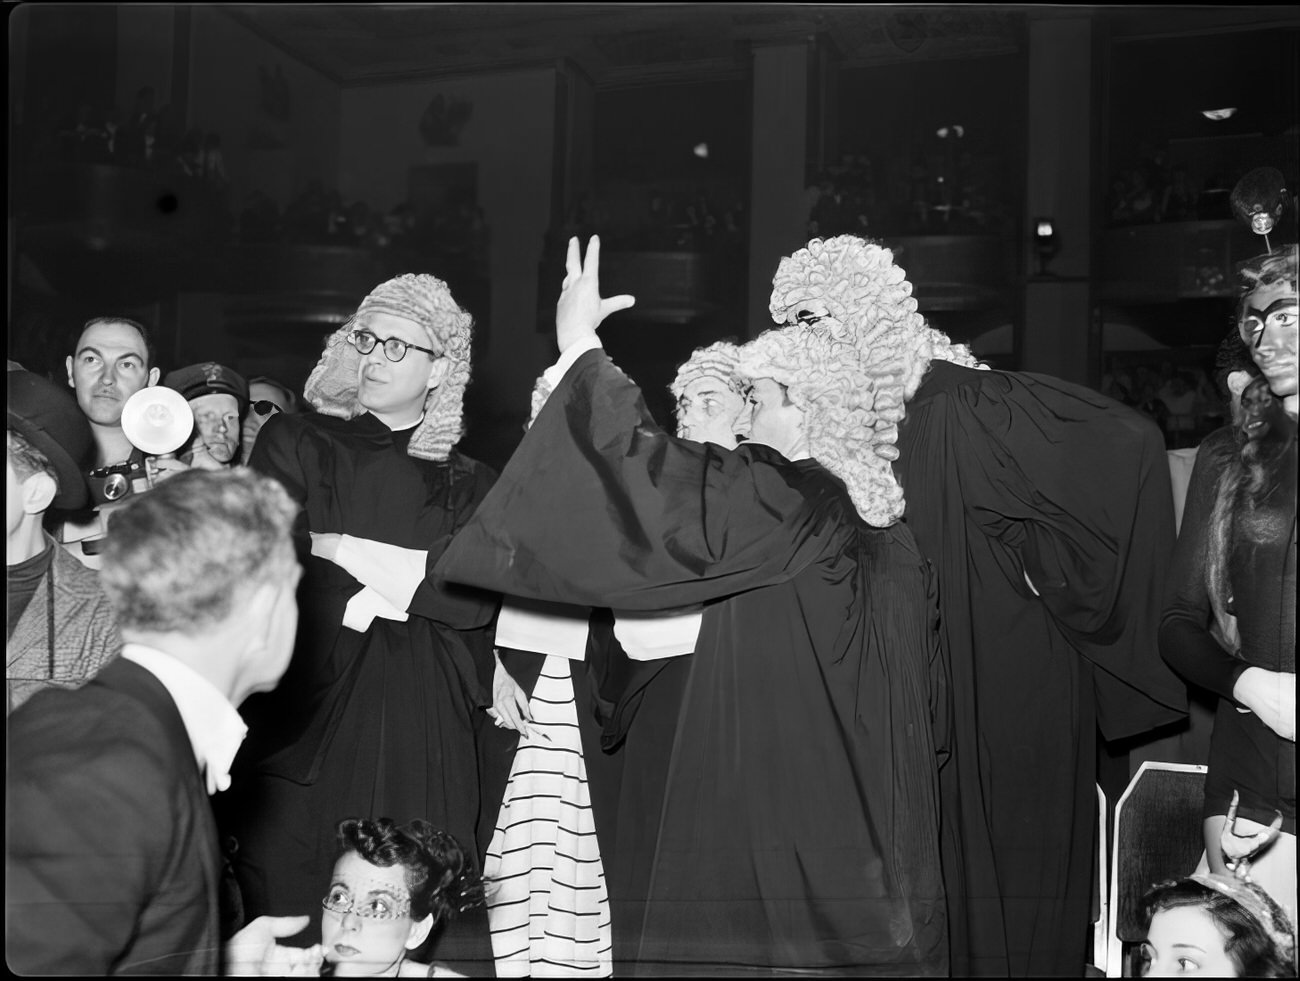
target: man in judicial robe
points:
(1046, 510)
(799, 828)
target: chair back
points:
(1157, 836)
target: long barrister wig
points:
(426, 300)
(855, 288)
(850, 291)
(851, 421)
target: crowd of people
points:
(810, 682)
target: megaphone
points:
(157, 420)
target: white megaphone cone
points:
(157, 421)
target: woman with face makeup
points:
(1229, 620)
(391, 886)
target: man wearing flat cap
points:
(60, 626)
(219, 398)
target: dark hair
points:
(1232, 355)
(440, 875)
(150, 352)
(1251, 467)
(1248, 943)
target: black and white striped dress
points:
(548, 906)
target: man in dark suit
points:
(112, 863)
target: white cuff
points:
(557, 371)
(365, 606)
(651, 636)
(543, 628)
(393, 572)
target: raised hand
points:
(581, 308)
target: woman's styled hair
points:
(1260, 939)
(439, 874)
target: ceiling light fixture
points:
(1219, 114)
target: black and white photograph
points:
(651, 490)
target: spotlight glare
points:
(702, 150)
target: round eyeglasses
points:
(376, 908)
(394, 347)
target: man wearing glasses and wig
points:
(377, 713)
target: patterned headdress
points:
(426, 300)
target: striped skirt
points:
(547, 903)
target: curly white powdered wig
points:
(850, 416)
(717, 360)
(857, 285)
(850, 290)
(426, 300)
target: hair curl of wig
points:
(851, 415)
(717, 360)
(426, 300)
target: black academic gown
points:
(376, 723)
(1014, 473)
(799, 827)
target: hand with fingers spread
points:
(581, 308)
(1239, 849)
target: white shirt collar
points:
(212, 723)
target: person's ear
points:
(154, 375)
(38, 492)
(68, 364)
(438, 372)
(261, 607)
(419, 932)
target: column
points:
(1058, 322)
(777, 209)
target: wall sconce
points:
(1046, 244)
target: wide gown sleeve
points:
(1076, 488)
(599, 507)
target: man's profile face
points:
(709, 411)
(110, 364)
(216, 417)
